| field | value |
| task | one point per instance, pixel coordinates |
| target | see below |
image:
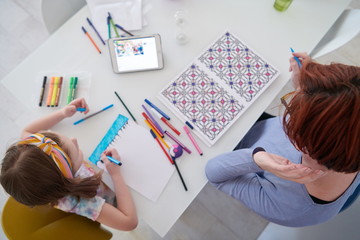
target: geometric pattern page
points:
(238, 66)
(203, 102)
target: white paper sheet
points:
(126, 13)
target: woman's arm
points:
(285, 169)
(231, 165)
(52, 119)
(123, 217)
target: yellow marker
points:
(55, 90)
(158, 136)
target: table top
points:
(257, 23)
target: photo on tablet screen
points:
(136, 53)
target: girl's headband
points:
(52, 149)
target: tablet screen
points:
(136, 53)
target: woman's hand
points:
(285, 169)
(294, 67)
(112, 168)
(70, 109)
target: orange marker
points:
(58, 92)
(51, 88)
(87, 34)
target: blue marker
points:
(81, 109)
(157, 109)
(113, 160)
(296, 59)
(81, 120)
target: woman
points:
(302, 170)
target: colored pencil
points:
(105, 108)
(127, 109)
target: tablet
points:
(136, 53)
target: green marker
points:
(113, 25)
(74, 87)
(71, 85)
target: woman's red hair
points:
(323, 118)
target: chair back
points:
(56, 12)
(45, 222)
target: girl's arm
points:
(52, 119)
(123, 217)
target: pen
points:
(157, 109)
(177, 141)
(113, 25)
(125, 106)
(81, 109)
(192, 139)
(97, 33)
(123, 29)
(92, 41)
(296, 59)
(159, 137)
(49, 96)
(54, 92)
(152, 124)
(113, 160)
(57, 99)
(165, 152)
(74, 88)
(166, 122)
(105, 108)
(42, 91)
(153, 119)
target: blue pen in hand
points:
(113, 160)
(296, 59)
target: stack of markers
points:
(54, 91)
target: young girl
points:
(49, 168)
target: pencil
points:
(88, 35)
(124, 106)
(105, 108)
(42, 91)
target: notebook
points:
(218, 86)
(145, 168)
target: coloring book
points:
(218, 86)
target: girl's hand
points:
(285, 169)
(70, 109)
(294, 67)
(112, 168)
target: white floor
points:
(212, 215)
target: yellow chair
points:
(44, 222)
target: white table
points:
(265, 30)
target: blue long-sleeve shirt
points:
(277, 200)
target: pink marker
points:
(193, 140)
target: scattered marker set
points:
(58, 90)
